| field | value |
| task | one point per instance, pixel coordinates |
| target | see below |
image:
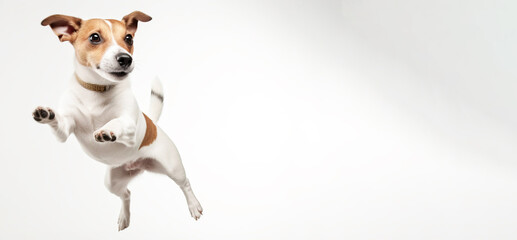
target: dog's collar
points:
(93, 87)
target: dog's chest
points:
(90, 120)
(93, 117)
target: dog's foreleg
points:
(61, 125)
(120, 130)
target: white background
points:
(295, 120)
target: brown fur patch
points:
(150, 132)
(131, 20)
(88, 54)
(120, 32)
(91, 55)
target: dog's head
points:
(103, 46)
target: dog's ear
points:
(131, 20)
(65, 27)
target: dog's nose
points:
(124, 60)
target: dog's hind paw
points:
(43, 115)
(195, 210)
(123, 220)
(104, 136)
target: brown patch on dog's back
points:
(150, 132)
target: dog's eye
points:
(95, 38)
(129, 39)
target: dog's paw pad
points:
(104, 136)
(43, 114)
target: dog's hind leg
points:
(193, 204)
(116, 181)
(170, 164)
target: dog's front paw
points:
(43, 115)
(104, 136)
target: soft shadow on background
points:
(295, 120)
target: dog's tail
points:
(156, 102)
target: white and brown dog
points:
(100, 109)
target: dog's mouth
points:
(119, 74)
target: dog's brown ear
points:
(65, 27)
(131, 20)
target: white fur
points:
(155, 104)
(86, 113)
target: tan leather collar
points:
(93, 87)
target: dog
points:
(101, 110)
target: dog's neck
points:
(91, 86)
(89, 79)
